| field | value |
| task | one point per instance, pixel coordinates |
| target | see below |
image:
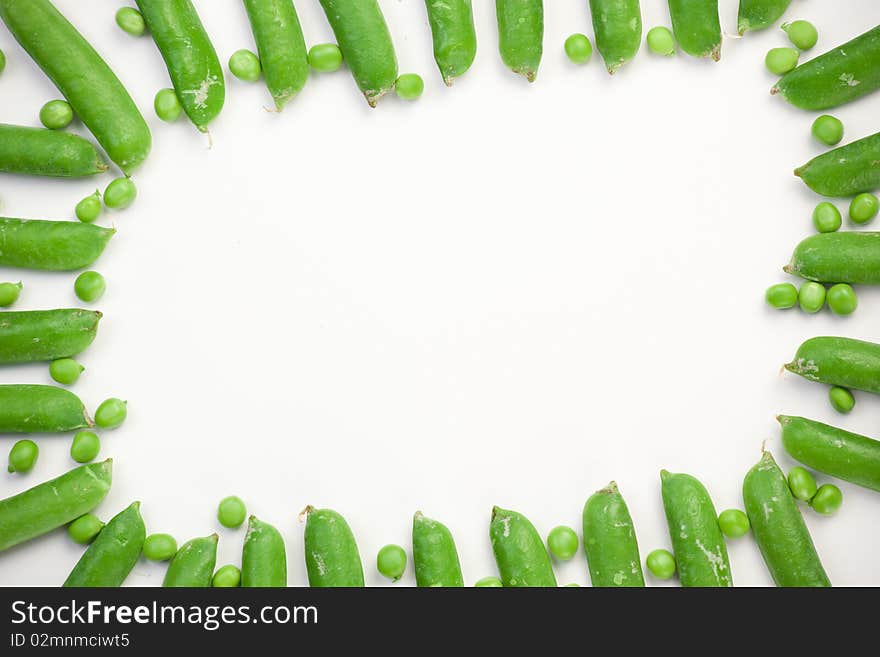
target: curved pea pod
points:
(839, 76)
(366, 45)
(519, 550)
(84, 79)
(840, 257)
(435, 556)
(836, 452)
(51, 245)
(610, 541)
(454, 36)
(193, 565)
(845, 362)
(281, 46)
(521, 35)
(700, 551)
(617, 25)
(845, 171)
(779, 528)
(41, 335)
(190, 57)
(263, 558)
(759, 14)
(43, 152)
(28, 408)
(697, 27)
(113, 554)
(53, 503)
(332, 557)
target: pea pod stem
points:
(43, 335)
(51, 245)
(113, 554)
(43, 152)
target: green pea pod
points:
(840, 257)
(836, 452)
(700, 551)
(51, 245)
(844, 362)
(113, 554)
(193, 565)
(454, 35)
(617, 25)
(759, 14)
(779, 528)
(435, 557)
(42, 152)
(332, 557)
(263, 558)
(53, 503)
(40, 409)
(281, 45)
(697, 27)
(363, 37)
(519, 550)
(41, 335)
(190, 57)
(521, 35)
(845, 171)
(92, 89)
(610, 541)
(839, 76)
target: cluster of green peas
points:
(803, 36)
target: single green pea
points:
(56, 114)
(226, 577)
(85, 446)
(489, 582)
(89, 209)
(811, 296)
(9, 293)
(733, 523)
(111, 413)
(160, 547)
(661, 41)
(131, 21)
(120, 193)
(578, 48)
(828, 130)
(827, 218)
(841, 399)
(780, 61)
(231, 512)
(391, 562)
(571, 585)
(661, 564)
(409, 86)
(802, 484)
(842, 299)
(325, 57)
(84, 529)
(167, 105)
(65, 371)
(863, 208)
(245, 65)
(802, 34)
(2, 61)
(563, 542)
(827, 500)
(23, 456)
(782, 295)
(89, 286)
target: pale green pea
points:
(23, 456)
(802, 484)
(863, 208)
(842, 299)
(56, 114)
(89, 286)
(325, 57)
(811, 297)
(661, 564)
(782, 295)
(167, 106)
(131, 21)
(802, 34)
(9, 293)
(661, 41)
(562, 542)
(245, 65)
(409, 86)
(160, 547)
(391, 562)
(827, 499)
(733, 523)
(226, 577)
(89, 209)
(578, 48)
(65, 371)
(231, 512)
(828, 130)
(85, 446)
(84, 529)
(111, 413)
(780, 61)
(827, 218)
(120, 193)
(841, 399)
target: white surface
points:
(502, 294)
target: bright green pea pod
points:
(610, 541)
(700, 551)
(363, 37)
(845, 171)
(454, 35)
(42, 335)
(836, 452)
(779, 528)
(519, 550)
(281, 45)
(263, 558)
(40, 409)
(53, 503)
(840, 257)
(617, 25)
(697, 27)
(521, 35)
(84, 79)
(43, 152)
(190, 57)
(332, 557)
(113, 554)
(844, 362)
(759, 14)
(51, 245)
(435, 557)
(839, 76)
(193, 565)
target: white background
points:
(502, 294)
